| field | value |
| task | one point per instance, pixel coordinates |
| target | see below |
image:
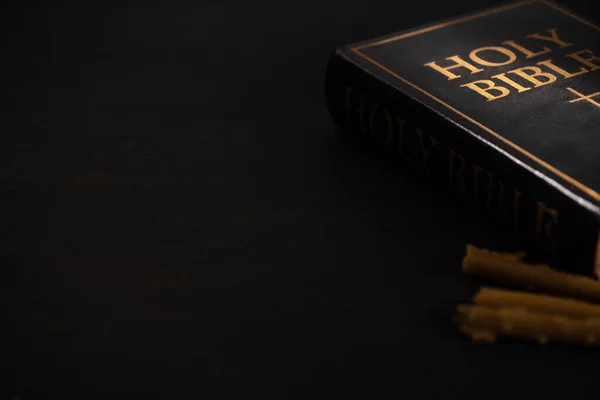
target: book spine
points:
(551, 225)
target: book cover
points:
(501, 106)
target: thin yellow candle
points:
(501, 298)
(484, 324)
(480, 252)
(529, 276)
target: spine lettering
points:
(427, 153)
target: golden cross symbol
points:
(589, 98)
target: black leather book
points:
(501, 106)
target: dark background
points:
(177, 209)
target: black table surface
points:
(178, 210)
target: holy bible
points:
(500, 106)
